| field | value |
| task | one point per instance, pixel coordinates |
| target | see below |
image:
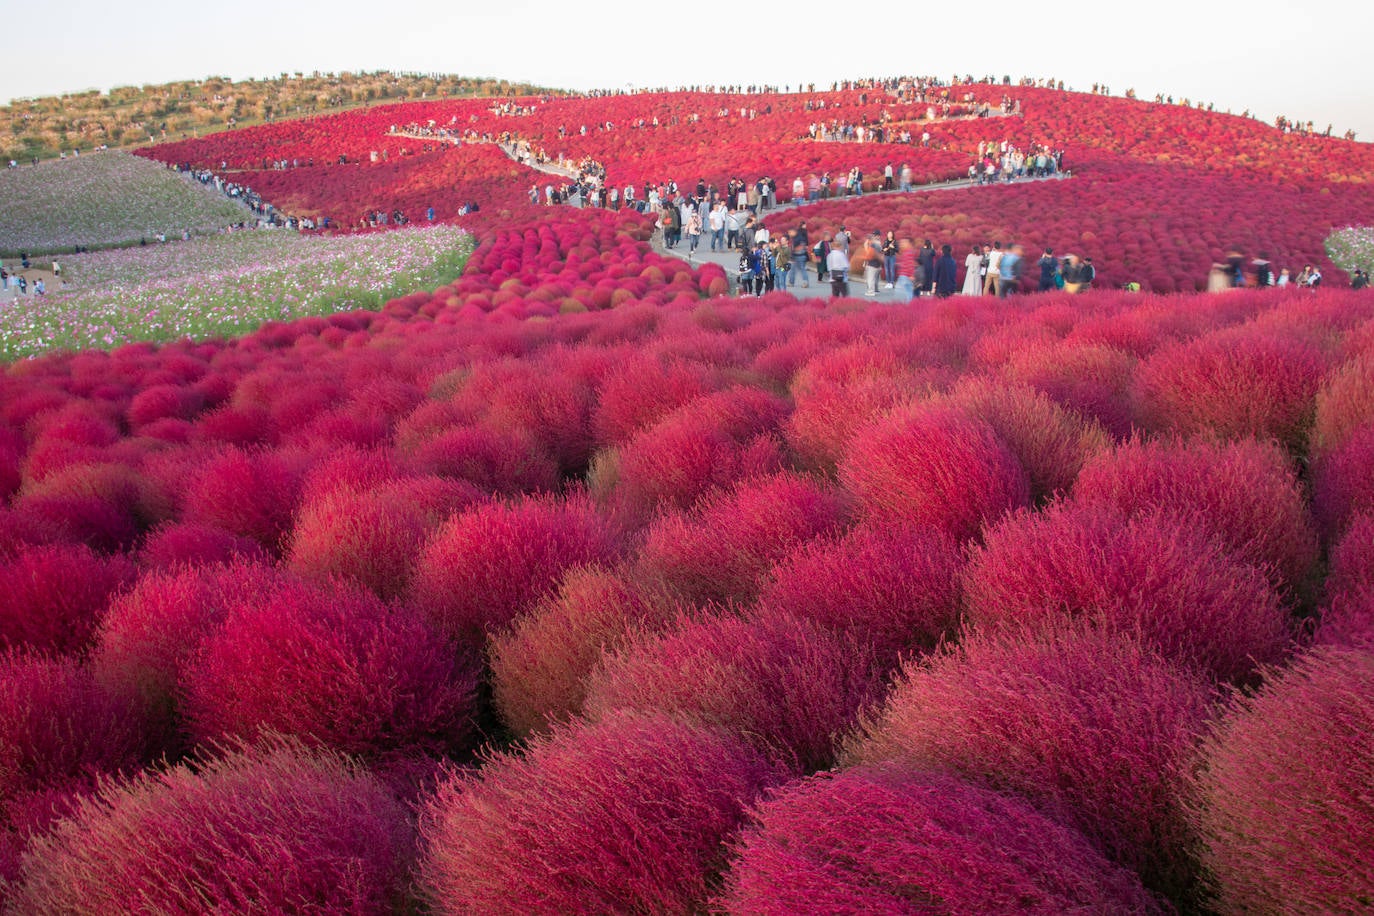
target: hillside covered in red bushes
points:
(581, 586)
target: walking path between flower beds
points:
(729, 258)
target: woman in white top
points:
(973, 282)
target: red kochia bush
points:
(1244, 491)
(933, 467)
(59, 728)
(714, 441)
(893, 588)
(1235, 382)
(1344, 404)
(371, 538)
(486, 566)
(332, 667)
(1351, 567)
(1157, 576)
(53, 596)
(1284, 809)
(1051, 441)
(643, 391)
(187, 543)
(1343, 483)
(248, 493)
(722, 549)
(633, 810)
(888, 841)
(1091, 727)
(275, 830)
(151, 631)
(782, 683)
(539, 666)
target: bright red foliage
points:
(885, 841)
(1157, 576)
(782, 683)
(54, 596)
(1091, 727)
(278, 828)
(1284, 812)
(936, 468)
(633, 809)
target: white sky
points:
(1311, 60)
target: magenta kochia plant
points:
(331, 666)
(539, 666)
(1092, 727)
(1244, 491)
(54, 596)
(628, 815)
(1051, 441)
(1284, 810)
(712, 442)
(371, 538)
(486, 566)
(891, 840)
(272, 829)
(250, 493)
(721, 550)
(782, 683)
(1343, 485)
(894, 588)
(1233, 382)
(60, 729)
(1158, 576)
(192, 544)
(933, 467)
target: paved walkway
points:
(729, 259)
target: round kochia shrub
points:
(252, 494)
(721, 550)
(330, 666)
(1343, 483)
(781, 683)
(155, 628)
(277, 829)
(1230, 383)
(892, 841)
(890, 587)
(1244, 491)
(1284, 809)
(1091, 727)
(1051, 441)
(187, 543)
(539, 666)
(59, 728)
(371, 538)
(632, 810)
(933, 467)
(483, 568)
(53, 597)
(1158, 576)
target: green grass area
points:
(225, 285)
(101, 200)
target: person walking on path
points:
(890, 260)
(837, 264)
(1049, 268)
(926, 258)
(993, 278)
(871, 254)
(1009, 270)
(973, 283)
(946, 273)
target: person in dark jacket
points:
(1049, 266)
(926, 258)
(946, 272)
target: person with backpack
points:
(822, 251)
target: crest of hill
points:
(134, 115)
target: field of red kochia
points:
(576, 587)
